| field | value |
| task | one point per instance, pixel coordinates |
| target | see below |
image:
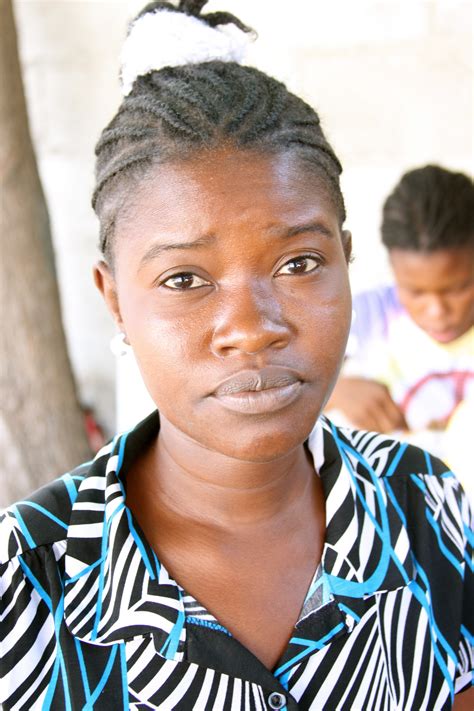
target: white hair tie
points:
(166, 38)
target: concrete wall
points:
(391, 79)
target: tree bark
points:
(42, 430)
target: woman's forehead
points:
(211, 184)
(433, 269)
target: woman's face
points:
(230, 281)
(437, 289)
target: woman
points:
(411, 357)
(229, 553)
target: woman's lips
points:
(257, 392)
(443, 336)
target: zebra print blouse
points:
(92, 620)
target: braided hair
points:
(431, 208)
(177, 111)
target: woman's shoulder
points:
(373, 313)
(42, 518)
(377, 305)
(390, 460)
(397, 486)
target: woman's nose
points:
(249, 321)
(436, 307)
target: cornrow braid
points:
(430, 208)
(177, 111)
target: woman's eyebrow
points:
(159, 247)
(307, 227)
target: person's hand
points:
(367, 404)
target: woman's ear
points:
(346, 237)
(105, 282)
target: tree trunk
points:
(41, 425)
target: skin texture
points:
(264, 285)
(437, 290)
(464, 701)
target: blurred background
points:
(391, 79)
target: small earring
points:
(119, 345)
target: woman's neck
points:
(179, 476)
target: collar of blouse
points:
(116, 589)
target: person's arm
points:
(366, 404)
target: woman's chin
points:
(265, 443)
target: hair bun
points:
(163, 35)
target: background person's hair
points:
(176, 111)
(431, 208)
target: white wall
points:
(391, 79)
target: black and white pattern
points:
(90, 619)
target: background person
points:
(235, 550)
(410, 357)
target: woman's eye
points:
(184, 282)
(299, 265)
